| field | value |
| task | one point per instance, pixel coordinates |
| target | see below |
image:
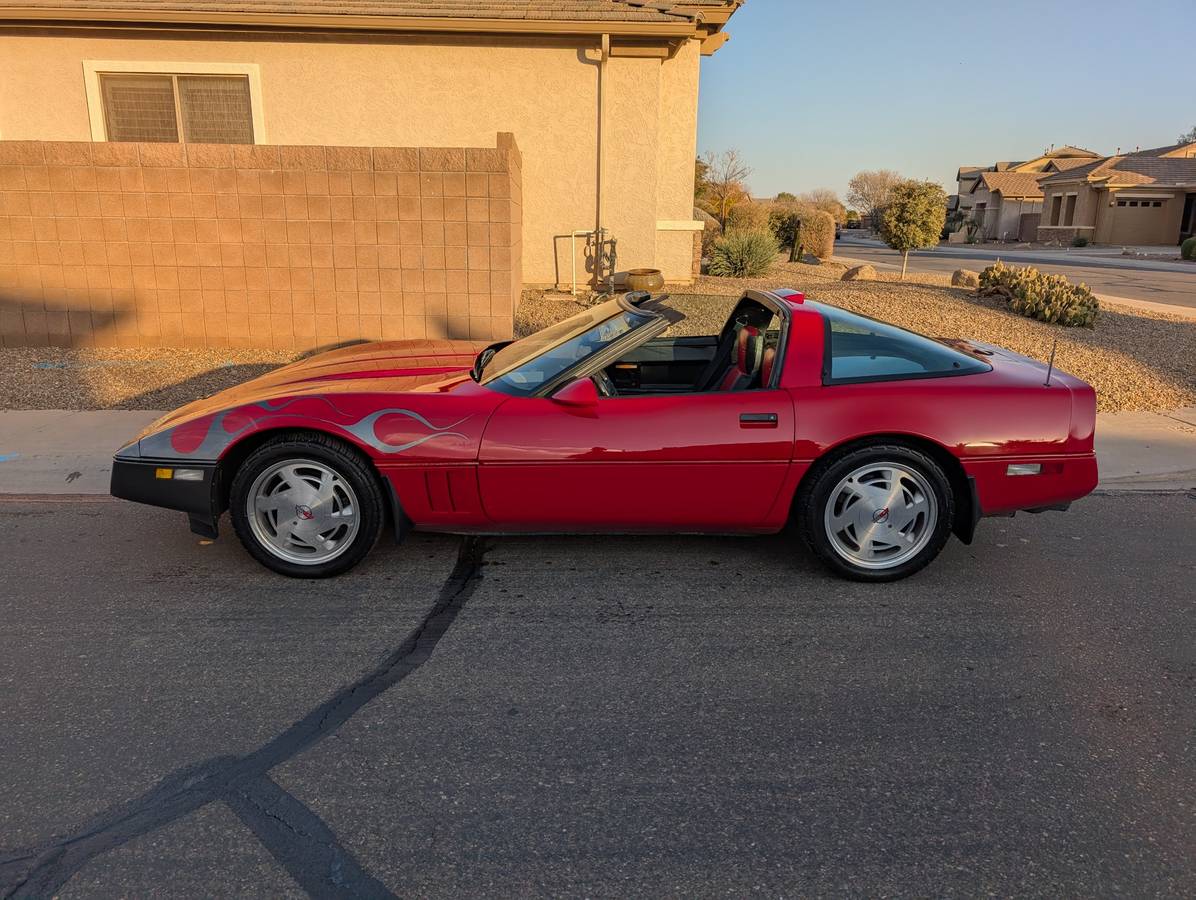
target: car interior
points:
(740, 358)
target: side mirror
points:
(579, 393)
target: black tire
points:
(815, 494)
(346, 463)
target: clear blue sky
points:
(812, 91)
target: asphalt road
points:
(598, 716)
(1104, 275)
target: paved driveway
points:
(1155, 282)
(599, 716)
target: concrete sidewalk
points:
(70, 452)
(63, 451)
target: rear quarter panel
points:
(986, 420)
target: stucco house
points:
(1004, 199)
(566, 127)
(1006, 205)
(1143, 198)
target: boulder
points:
(811, 260)
(965, 278)
(860, 273)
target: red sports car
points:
(879, 442)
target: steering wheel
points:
(606, 387)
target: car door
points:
(702, 461)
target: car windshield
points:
(524, 365)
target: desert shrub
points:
(783, 220)
(1048, 298)
(818, 233)
(748, 216)
(1188, 249)
(1079, 241)
(743, 254)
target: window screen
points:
(863, 349)
(208, 109)
(139, 107)
(216, 110)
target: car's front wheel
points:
(877, 513)
(306, 505)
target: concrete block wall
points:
(122, 244)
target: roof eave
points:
(340, 22)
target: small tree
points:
(1188, 136)
(869, 192)
(913, 217)
(725, 188)
(786, 197)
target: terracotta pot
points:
(644, 280)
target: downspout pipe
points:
(600, 198)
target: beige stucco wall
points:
(424, 91)
(1083, 222)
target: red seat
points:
(767, 362)
(749, 346)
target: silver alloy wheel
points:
(302, 511)
(881, 515)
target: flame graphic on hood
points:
(207, 437)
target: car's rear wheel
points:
(877, 513)
(307, 506)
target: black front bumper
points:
(147, 481)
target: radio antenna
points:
(1051, 364)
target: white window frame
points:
(94, 68)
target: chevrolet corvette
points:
(877, 443)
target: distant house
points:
(1007, 205)
(1004, 200)
(1143, 198)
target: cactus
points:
(1048, 298)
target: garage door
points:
(1138, 222)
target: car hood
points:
(410, 368)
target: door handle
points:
(757, 420)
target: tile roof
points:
(1012, 184)
(1137, 168)
(643, 11)
(1065, 163)
(1069, 148)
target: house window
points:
(206, 103)
(1069, 215)
(205, 109)
(1133, 203)
(1122, 202)
(1056, 205)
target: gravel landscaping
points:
(142, 378)
(1136, 360)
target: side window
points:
(205, 103)
(862, 349)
